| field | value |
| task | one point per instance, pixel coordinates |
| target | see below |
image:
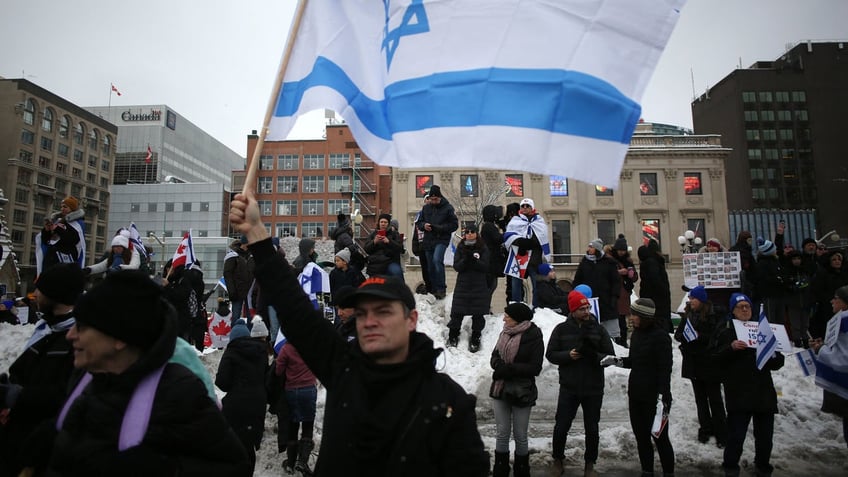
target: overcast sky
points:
(214, 61)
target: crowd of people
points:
(97, 392)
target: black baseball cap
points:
(388, 288)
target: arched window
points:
(64, 126)
(93, 139)
(47, 120)
(29, 112)
(79, 133)
(107, 144)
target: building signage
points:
(153, 115)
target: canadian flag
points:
(115, 89)
(185, 253)
(149, 156)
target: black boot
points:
(501, 468)
(453, 337)
(474, 342)
(521, 466)
(304, 450)
(291, 457)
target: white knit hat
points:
(258, 329)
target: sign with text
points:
(747, 331)
(712, 270)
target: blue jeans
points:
(302, 403)
(518, 287)
(435, 260)
(275, 323)
(235, 307)
(516, 419)
(395, 270)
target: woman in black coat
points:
(700, 368)
(654, 282)
(471, 295)
(384, 249)
(825, 283)
(516, 361)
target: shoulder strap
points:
(137, 414)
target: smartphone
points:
(381, 233)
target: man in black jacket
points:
(388, 412)
(438, 222)
(577, 346)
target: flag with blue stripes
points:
(279, 341)
(807, 361)
(766, 341)
(689, 332)
(222, 283)
(314, 280)
(135, 238)
(534, 85)
(516, 265)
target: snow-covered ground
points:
(806, 441)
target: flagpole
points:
(110, 95)
(253, 165)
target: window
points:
(697, 226)
(313, 161)
(749, 97)
(104, 196)
(63, 150)
(767, 115)
(338, 184)
(339, 161)
(27, 137)
(77, 155)
(313, 207)
(92, 161)
(772, 194)
(93, 139)
(756, 174)
(648, 183)
(44, 162)
(266, 185)
(561, 238)
(423, 184)
(751, 116)
(202, 233)
(786, 135)
(516, 185)
(468, 186)
(313, 184)
(186, 206)
(152, 206)
(266, 163)
(104, 182)
(769, 135)
(25, 157)
(312, 229)
(765, 96)
(19, 216)
(801, 115)
(61, 186)
(21, 196)
(606, 230)
(335, 206)
(602, 191)
(265, 207)
(286, 207)
(781, 96)
(559, 186)
(286, 229)
(754, 154)
(799, 96)
(286, 184)
(787, 153)
(29, 112)
(64, 126)
(752, 134)
(650, 231)
(76, 190)
(771, 154)
(76, 173)
(104, 165)
(169, 206)
(42, 179)
(107, 145)
(46, 144)
(287, 161)
(24, 177)
(784, 115)
(47, 120)
(135, 207)
(204, 206)
(79, 133)
(692, 183)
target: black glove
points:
(496, 361)
(666, 402)
(523, 245)
(9, 395)
(504, 371)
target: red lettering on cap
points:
(373, 281)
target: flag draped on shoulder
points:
(832, 360)
(504, 84)
(766, 341)
(185, 253)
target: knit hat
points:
(699, 293)
(344, 254)
(258, 328)
(62, 283)
(120, 241)
(8, 304)
(713, 242)
(71, 201)
(597, 244)
(239, 330)
(576, 300)
(643, 308)
(842, 293)
(527, 201)
(388, 217)
(387, 288)
(341, 218)
(767, 248)
(737, 298)
(126, 305)
(435, 191)
(806, 241)
(545, 269)
(472, 227)
(620, 243)
(519, 312)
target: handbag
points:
(520, 392)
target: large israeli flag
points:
(766, 341)
(537, 85)
(314, 280)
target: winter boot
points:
(521, 466)
(556, 468)
(453, 337)
(291, 457)
(589, 470)
(474, 342)
(304, 450)
(501, 468)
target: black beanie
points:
(62, 283)
(620, 243)
(435, 191)
(519, 311)
(126, 305)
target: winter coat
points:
(241, 374)
(825, 283)
(493, 238)
(380, 255)
(550, 295)
(650, 364)
(602, 276)
(628, 282)
(130, 260)
(64, 243)
(796, 285)
(768, 281)
(471, 295)
(238, 273)
(291, 365)
(180, 293)
(342, 235)
(748, 262)
(746, 388)
(527, 363)
(186, 434)
(43, 371)
(442, 220)
(401, 419)
(698, 361)
(339, 278)
(584, 376)
(306, 254)
(654, 284)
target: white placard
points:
(712, 270)
(747, 331)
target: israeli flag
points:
(314, 280)
(766, 341)
(279, 341)
(222, 283)
(807, 361)
(689, 332)
(533, 85)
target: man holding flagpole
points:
(748, 387)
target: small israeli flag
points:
(689, 332)
(807, 361)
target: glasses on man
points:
(526, 206)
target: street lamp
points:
(151, 239)
(689, 243)
(833, 237)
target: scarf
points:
(507, 345)
(44, 329)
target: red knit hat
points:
(576, 300)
